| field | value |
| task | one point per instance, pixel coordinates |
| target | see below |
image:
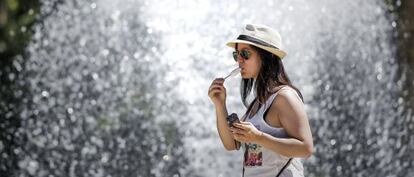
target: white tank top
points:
(262, 162)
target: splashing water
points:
(120, 88)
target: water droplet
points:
(394, 24)
(17, 65)
(398, 3)
(379, 77)
(349, 147)
(105, 158)
(32, 167)
(70, 110)
(31, 12)
(95, 76)
(23, 29)
(82, 41)
(105, 52)
(327, 86)
(154, 49)
(45, 93)
(136, 55)
(11, 33)
(80, 95)
(121, 142)
(55, 143)
(400, 100)
(36, 131)
(12, 76)
(93, 5)
(166, 157)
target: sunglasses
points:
(245, 54)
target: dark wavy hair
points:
(271, 74)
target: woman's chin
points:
(244, 76)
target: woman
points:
(275, 131)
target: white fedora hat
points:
(260, 36)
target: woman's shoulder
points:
(283, 89)
(286, 95)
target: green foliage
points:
(16, 19)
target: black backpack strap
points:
(284, 167)
(244, 159)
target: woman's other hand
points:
(245, 132)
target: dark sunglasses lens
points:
(244, 54)
(235, 56)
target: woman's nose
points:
(240, 59)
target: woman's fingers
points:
(218, 81)
(239, 132)
(215, 91)
(244, 132)
(241, 126)
(245, 123)
(216, 85)
(215, 88)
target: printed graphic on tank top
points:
(253, 156)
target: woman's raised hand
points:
(217, 92)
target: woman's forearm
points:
(289, 147)
(223, 130)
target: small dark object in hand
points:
(232, 118)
